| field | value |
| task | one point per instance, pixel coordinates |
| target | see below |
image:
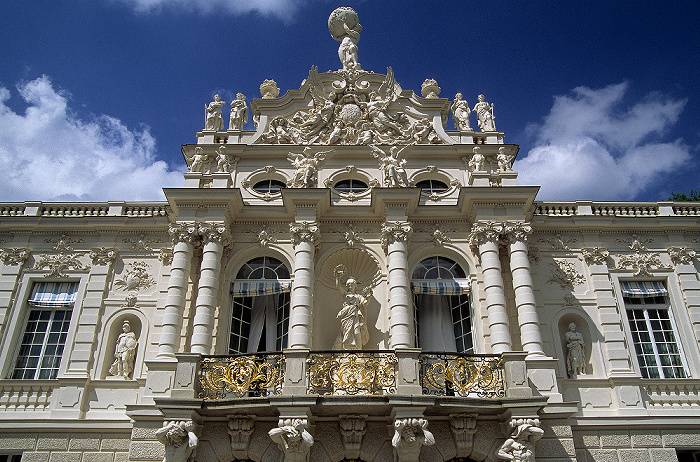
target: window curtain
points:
(643, 289)
(259, 287)
(435, 329)
(264, 315)
(440, 286)
(53, 294)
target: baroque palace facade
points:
(350, 282)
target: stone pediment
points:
(350, 107)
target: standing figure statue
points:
(223, 163)
(460, 113)
(179, 440)
(576, 357)
(505, 161)
(392, 166)
(306, 165)
(293, 439)
(353, 324)
(484, 114)
(239, 113)
(124, 353)
(214, 117)
(476, 163)
(520, 447)
(344, 26)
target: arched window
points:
(441, 306)
(351, 186)
(432, 186)
(260, 307)
(268, 186)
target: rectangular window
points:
(653, 331)
(10, 457)
(41, 347)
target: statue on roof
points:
(344, 26)
(239, 113)
(484, 115)
(214, 117)
(460, 113)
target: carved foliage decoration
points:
(103, 256)
(165, 255)
(136, 278)
(395, 232)
(641, 263)
(304, 231)
(59, 264)
(142, 243)
(565, 274)
(438, 236)
(681, 255)
(14, 257)
(517, 231)
(595, 255)
(483, 232)
(558, 242)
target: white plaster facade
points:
(532, 267)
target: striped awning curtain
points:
(53, 294)
(643, 289)
(440, 286)
(257, 287)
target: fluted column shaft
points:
(183, 248)
(214, 236)
(395, 237)
(528, 319)
(485, 237)
(304, 236)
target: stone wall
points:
(634, 445)
(66, 447)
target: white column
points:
(485, 236)
(394, 239)
(528, 320)
(183, 235)
(304, 235)
(214, 237)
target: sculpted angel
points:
(392, 165)
(214, 117)
(353, 324)
(306, 165)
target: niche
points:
(115, 329)
(583, 328)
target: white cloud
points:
(50, 154)
(283, 9)
(588, 148)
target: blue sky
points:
(96, 96)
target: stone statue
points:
(484, 115)
(239, 113)
(223, 164)
(409, 436)
(179, 440)
(344, 26)
(376, 112)
(392, 166)
(505, 161)
(214, 117)
(476, 163)
(520, 447)
(198, 160)
(124, 353)
(293, 439)
(306, 165)
(460, 113)
(576, 357)
(353, 323)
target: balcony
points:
(348, 373)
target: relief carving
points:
(136, 278)
(179, 440)
(565, 274)
(409, 436)
(293, 439)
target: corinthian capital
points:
(517, 231)
(214, 232)
(485, 231)
(183, 232)
(305, 231)
(395, 231)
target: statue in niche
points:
(505, 161)
(124, 353)
(576, 356)
(476, 163)
(239, 113)
(392, 165)
(409, 436)
(353, 324)
(344, 26)
(306, 166)
(293, 439)
(484, 115)
(460, 113)
(179, 440)
(520, 447)
(214, 120)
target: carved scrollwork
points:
(517, 231)
(450, 374)
(14, 257)
(595, 255)
(183, 232)
(395, 231)
(142, 243)
(304, 231)
(253, 375)
(641, 263)
(565, 274)
(352, 373)
(214, 232)
(681, 255)
(483, 232)
(103, 256)
(59, 264)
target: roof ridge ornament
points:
(344, 26)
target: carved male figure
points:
(576, 357)
(520, 447)
(124, 353)
(179, 440)
(293, 439)
(409, 436)
(353, 324)
(214, 117)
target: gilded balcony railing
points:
(352, 373)
(259, 374)
(453, 374)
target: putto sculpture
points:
(576, 356)
(124, 353)
(239, 113)
(353, 317)
(214, 119)
(504, 160)
(484, 115)
(476, 163)
(391, 165)
(344, 26)
(306, 165)
(179, 440)
(460, 113)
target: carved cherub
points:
(504, 160)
